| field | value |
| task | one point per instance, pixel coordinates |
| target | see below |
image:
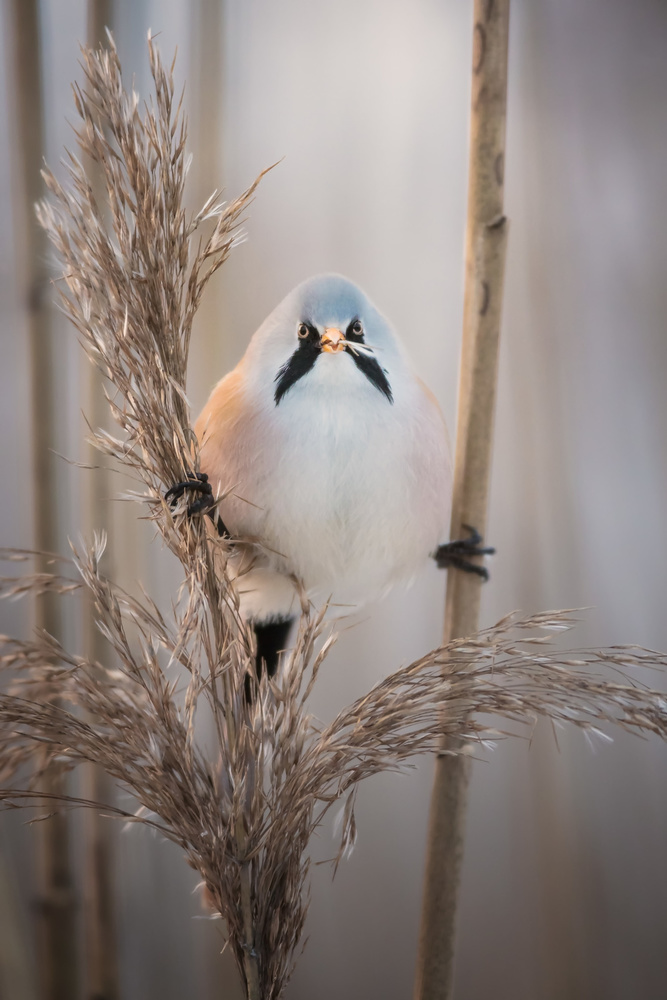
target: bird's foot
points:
(197, 482)
(458, 553)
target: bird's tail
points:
(271, 639)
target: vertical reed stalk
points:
(17, 973)
(206, 83)
(486, 235)
(99, 941)
(250, 964)
(57, 904)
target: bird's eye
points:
(302, 331)
(357, 328)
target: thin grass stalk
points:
(207, 120)
(100, 959)
(56, 902)
(486, 237)
(206, 82)
(250, 963)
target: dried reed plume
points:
(244, 812)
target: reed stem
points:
(250, 963)
(486, 237)
(56, 902)
(99, 941)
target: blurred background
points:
(365, 102)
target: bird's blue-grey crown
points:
(333, 300)
(326, 314)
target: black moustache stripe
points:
(304, 359)
(373, 372)
(298, 365)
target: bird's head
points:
(326, 332)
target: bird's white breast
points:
(348, 491)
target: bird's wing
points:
(223, 408)
(219, 423)
(225, 429)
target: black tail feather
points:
(271, 641)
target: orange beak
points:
(332, 340)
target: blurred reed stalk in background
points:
(243, 810)
(486, 242)
(56, 900)
(100, 960)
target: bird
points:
(325, 447)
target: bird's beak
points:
(332, 340)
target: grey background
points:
(565, 884)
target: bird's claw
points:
(458, 553)
(197, 482)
